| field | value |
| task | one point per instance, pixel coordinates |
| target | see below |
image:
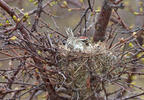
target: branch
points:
(11, 12)
(102, 22)
(103, 19)
(38, 13)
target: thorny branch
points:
(38, 14)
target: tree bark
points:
(102, 22)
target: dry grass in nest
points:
(85, 70)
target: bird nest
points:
(83, 71)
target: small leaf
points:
(141, 9)
(134, 77)
(134, 34)
(51, 35)
(39, 52)
(128, 55)
(131, 45)
(22, 9)
(81, 1)
(53, 3)
(3, 77)
(13, 38)
(7, 21)
(140, 54)
(16, 88)
(135, 13)
(37, 70)
(131, 26)
(142, 60)
(69, 10)
(142, 97)
(31, 0)
(132, 84)
(98, 10)
(14, 18)
(1, 24)
(65, 3)
(26, 14)
(18, 20)
(29, 23)
(35, 3)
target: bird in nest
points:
(82, 44)
(79, 44)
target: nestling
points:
(79, 44)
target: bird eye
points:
(86, 42)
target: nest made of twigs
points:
(84, 70)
